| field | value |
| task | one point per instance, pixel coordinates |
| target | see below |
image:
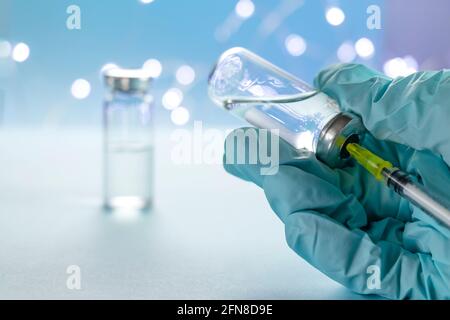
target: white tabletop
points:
(210, 236)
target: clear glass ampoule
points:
(128, 140)
(268, 97)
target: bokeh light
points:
(364, 48)
(400, 67)
(154, 67)
(346, 52)
(180, 116)
(146, 1)
(411, 62)
(335, 16)
(295, 45)
(5, 49)
(172, 98)
(244, 9)
(21, 52)
(108, 66)
(80, 89)
(185, 75)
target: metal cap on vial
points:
(127, 80)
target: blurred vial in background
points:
(2, 105)
(128, 140)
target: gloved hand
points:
(344, 222)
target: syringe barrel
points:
(402, 183)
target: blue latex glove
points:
(343, 221)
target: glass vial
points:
(128, 140)
(268, 97)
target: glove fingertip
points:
(238, 152)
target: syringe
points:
(399, 181)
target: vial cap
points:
(127, 80)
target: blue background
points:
(127, 32)
(175, 32)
